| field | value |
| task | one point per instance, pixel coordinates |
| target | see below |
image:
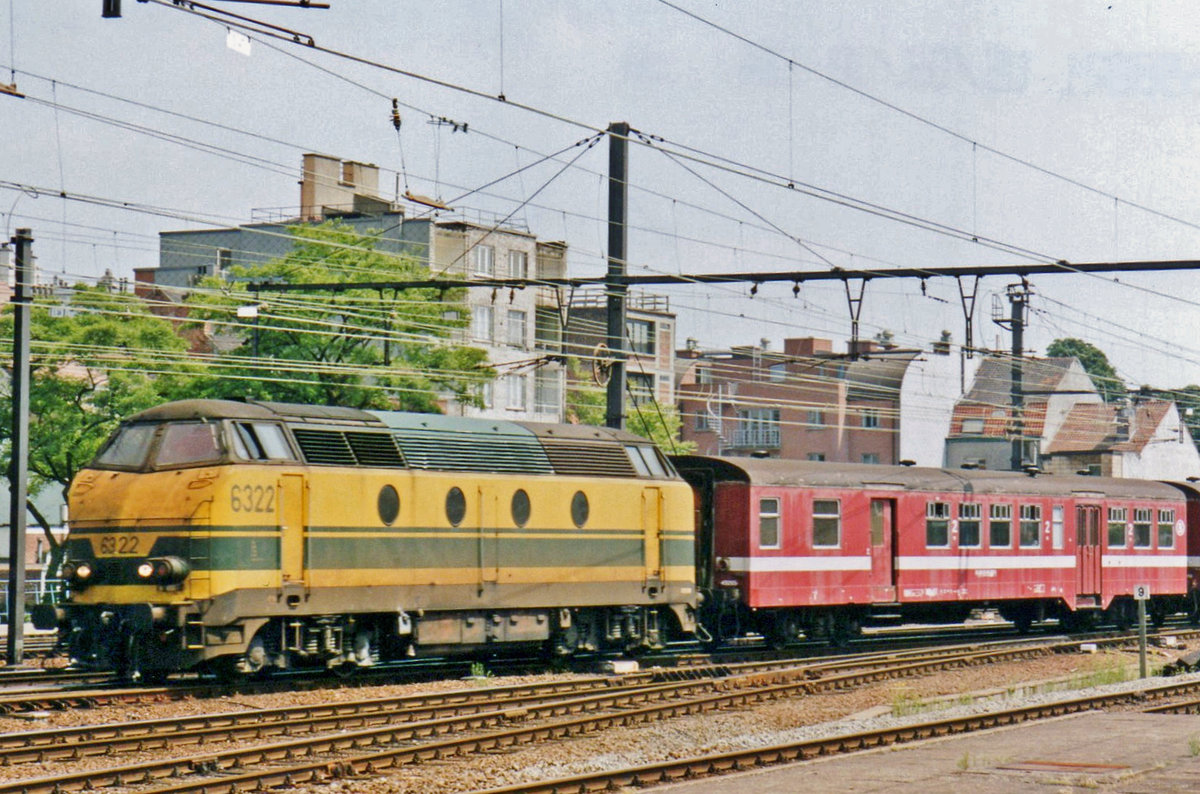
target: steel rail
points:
(664, 702)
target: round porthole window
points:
(520, 508)
(456, 506)
(579, 508)
(389, 504)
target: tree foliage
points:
(351, 347)
(587, 404)
(94, 361)
(1094, 362)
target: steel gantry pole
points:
(614, 285)
(18, 475)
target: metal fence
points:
(37, 591)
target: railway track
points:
(755, 758)
(371, 735)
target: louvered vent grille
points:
(592, 460)
(324, 446)
(451, 451)
(375, 449)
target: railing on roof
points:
(635, 299)
(479, 217)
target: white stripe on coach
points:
(797, 564)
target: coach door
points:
(1087, 549)
(652, 535)
(883, 550)
(291, 528)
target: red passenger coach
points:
(794, 546)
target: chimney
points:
(807, 346)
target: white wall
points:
(932, 385)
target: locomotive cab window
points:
(128, 448)
(260, 441)
(827, 522)
(937, 524)
(970, 521)
(1166, 529)
(768, 523)
(645, 460)
(1031, 526)
(188, 444)
(1000, 526)
(1116, 527)
(1143, 518)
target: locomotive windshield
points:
(178, 444)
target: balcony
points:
(756, 437)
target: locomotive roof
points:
(396, 420)
(782, 472)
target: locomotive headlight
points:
(83, 571)
(164, 570)
(145, 570)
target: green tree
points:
(94, 361)
(359, 348)
(587, 404)
(1094, 362)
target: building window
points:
(870, 457)
(777, 373)
(518, 264)
(827, 522)
(487, 393)
(641, 387)
(547, 331)
(1166, 529)
(516, 328)
(757, 427)
(870, 417)
(1031, 525)
(815, 417)
(546, 398)
(1116, 527)
(1000, 526)
(484, 260)
(816, 457)
(481, 323)
(704, 375)
(768, 523)
(972, 427)
(224, 262)
(1143, 518)
(641, 336)
(937, 524)
(516, 392)
(970, 522)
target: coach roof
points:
(862, 476)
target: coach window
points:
(1057, 532)
(1116, 527)
(970, 520)
(1166, 529)
(768, 523)
(937, 524)
(188, 443)
(827, 522)
(1031, 526)
(1000, 526)
(1143, 518)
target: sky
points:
(1046, 131)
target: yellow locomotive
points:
(243, 536)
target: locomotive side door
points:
(883, 550)
(489, 536)
(291, 517)
(1087, 550)
(652, 534)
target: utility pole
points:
(1018, 296)
(19, 471)
(614, 287)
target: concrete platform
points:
(1129, 753)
